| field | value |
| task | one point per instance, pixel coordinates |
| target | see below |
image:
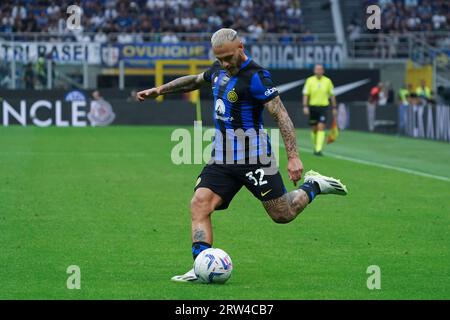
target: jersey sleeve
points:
(331, 89)
(306, 89)
(262, 87)
(208, 74)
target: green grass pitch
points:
(110, 201)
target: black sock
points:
(312, 189)
(198, 247)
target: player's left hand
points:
(335, 113)
(295, 169)
(306, 111)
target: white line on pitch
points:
(384, 166)
(73, 153)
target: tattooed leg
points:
(287, 207)
(202, 205)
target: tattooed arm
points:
(182, 84)
(281, 117)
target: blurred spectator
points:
(285, 38)
(110, 12)
(440, 96)
(372, 102)
(415, 101)
(439, 20)
(42, 20)
(354, 28)
(389, 94)
(411, 3)
(403, 94)
(169, 37)
(41, 71)
(393, 41)
(384, 3)
(100, 37)
(413, 21)
(125, 37)
(5, 75)
(381, 47)
(80, 36)
(28, 77)
(18, 12)
(423, 91)
(308, 37)
(7, 22)
(133, 96)
(53, 10)
(256, 31)
(96, 95)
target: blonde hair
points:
(222, 36)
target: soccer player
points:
(403, 94)
(423, 91)
(317, 93)
(242, 89)
(375, 96)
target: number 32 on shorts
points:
(251, 176)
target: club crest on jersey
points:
(232, 96)
(220, 107)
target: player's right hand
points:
(295, 169)
(306, 111)
(146, 94)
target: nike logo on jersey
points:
(263, 194)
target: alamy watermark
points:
(232, 146)
(74, 279)
(373, 22)
(374, 280)
(73, 22)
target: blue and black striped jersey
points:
(238, 106)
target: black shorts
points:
(318, 115)
(227, 179)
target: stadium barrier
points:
(158, 37)
(86, 61)
(428, 122)
(45, 110)
(350, 84)
(63, 109)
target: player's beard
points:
(233, 71)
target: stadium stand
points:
(318, 12)
(414, 15)
(401, 20)
(422, 25)
(154, 16)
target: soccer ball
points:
(213, 266)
